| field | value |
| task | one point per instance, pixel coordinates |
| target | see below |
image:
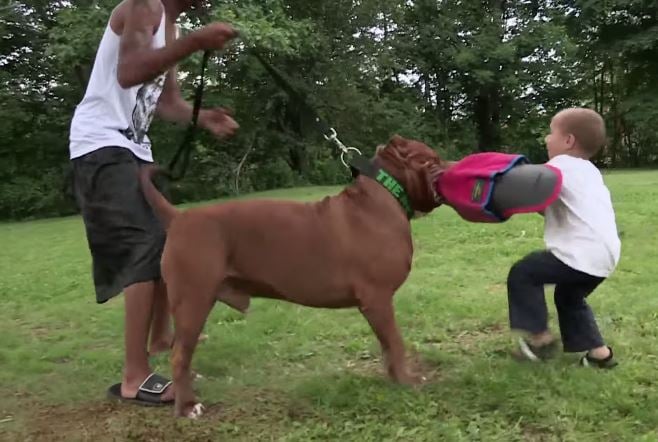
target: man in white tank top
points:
(133, 79)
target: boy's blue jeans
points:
(527, 304)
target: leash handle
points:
(186, 147)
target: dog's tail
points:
(164, 210)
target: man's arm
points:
(139, 63)
(171, 106)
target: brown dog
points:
(350, 250)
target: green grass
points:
(291, 373)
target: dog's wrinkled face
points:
(414, 165)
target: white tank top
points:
(110, 115)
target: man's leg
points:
(126, 242)
(139, 307)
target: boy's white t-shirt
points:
(580, 227)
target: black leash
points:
(299, 97)
(358, 164)
(185, 149)
(186, 146)
(328, 132)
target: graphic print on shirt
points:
(146, 102)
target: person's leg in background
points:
(161, 337)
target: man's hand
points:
(214, 36)
(218, 121)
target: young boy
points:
(582, 245)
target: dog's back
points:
(308, 253)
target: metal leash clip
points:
(333, 137)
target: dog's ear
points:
(397, 141)
(394, 154)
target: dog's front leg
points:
(380, 315)
(190, 316)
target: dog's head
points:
(415, 165)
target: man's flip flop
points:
(149, 393)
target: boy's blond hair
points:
(586, 125)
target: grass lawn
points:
(291, 373)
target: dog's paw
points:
(196, 412)
(410, 379)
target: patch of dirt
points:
(253, 412)
(103, 421)
(245, 414)
(469, 339)
(532, 433)
(496, 288)
(369, 365)
(258, 404)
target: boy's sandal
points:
(529, 352)
(607, 363)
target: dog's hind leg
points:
(380, 315)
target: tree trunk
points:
(238, 169)
(487, 119)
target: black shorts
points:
(124, 236)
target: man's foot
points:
(530, 352)
(154, 391)
(592, 360)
